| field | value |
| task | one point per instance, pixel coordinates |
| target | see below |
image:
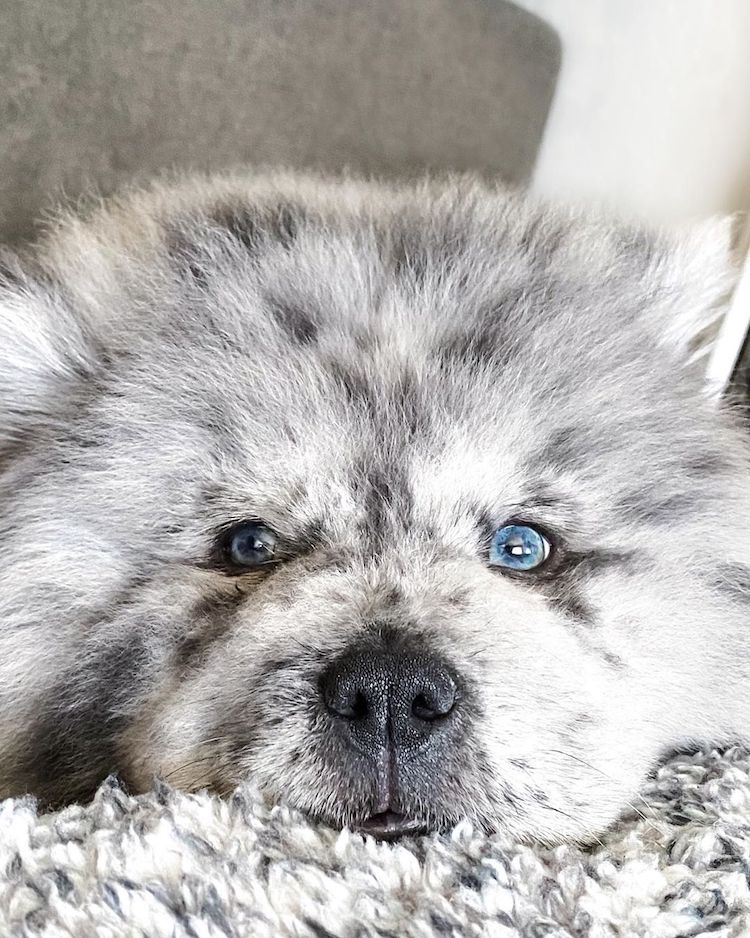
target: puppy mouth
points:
(391, 825)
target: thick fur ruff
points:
(170, 865)
(377, 378)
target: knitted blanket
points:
(193, 866)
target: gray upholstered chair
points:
(93, 92)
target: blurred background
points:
(641, 105)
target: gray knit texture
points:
(194, 866)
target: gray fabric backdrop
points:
(95, 91)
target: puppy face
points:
(402, 502)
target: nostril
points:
(344, 694)
(354, 708)
(422, 709)
(435, 702)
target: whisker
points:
(551, 807)
(570, 817)
(610, 778)
(481, 651)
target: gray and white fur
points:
(383, 375)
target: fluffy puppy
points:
(405, 501)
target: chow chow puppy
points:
(405, 501)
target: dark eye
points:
(518, 547)
(249, 545)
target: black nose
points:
(383, 697)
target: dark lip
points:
(390, 825)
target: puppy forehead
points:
(306, 360)
(302, 447)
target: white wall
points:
(652, 113)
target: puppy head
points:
(398, 501)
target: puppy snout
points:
(389, 699)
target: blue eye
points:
(249, 545)
(518, 547)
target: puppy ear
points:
(43, 349)
(698, 280)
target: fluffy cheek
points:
(168, 740)
(247, 687)
(562, 729)
(225, 724)
(561, 796)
